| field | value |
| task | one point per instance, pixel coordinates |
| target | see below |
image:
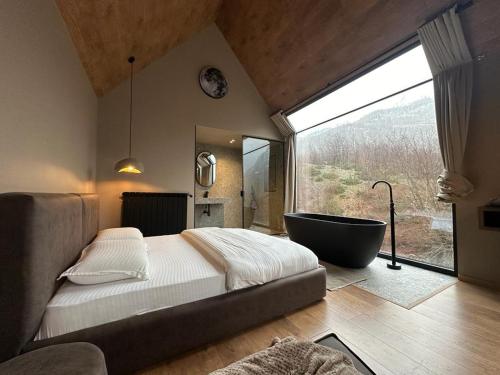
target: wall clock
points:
(213, 83)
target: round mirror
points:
(205, 168)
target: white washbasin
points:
(211, 200)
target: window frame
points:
(382, 59)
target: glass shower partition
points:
(263, 185)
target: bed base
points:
(141, 341)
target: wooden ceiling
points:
(290, 48)
(293, 48)
(107, 32)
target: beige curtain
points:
(451, 65)
(286, 129)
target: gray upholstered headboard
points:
(40, 236)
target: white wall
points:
(48, 111)
(168, 104)
(479, 249)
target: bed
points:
(42, 234)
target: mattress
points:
(178, 274)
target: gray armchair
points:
(79, 358)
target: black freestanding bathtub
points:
(344, 241)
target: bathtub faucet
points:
(393, 264)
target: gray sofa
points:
(79, 358)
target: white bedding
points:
(104, 261)
(195, 265)
(251, 258)
(178, 274)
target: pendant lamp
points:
(130, 164)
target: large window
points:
(380, 126)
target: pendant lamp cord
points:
(131, 61)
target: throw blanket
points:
(251, 258)
(291, 357)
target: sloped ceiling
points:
(107, 32)
(293, 48)
(290, 48)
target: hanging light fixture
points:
(130, 164)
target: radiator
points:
(155, 214)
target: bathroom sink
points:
(211, 200)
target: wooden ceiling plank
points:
(290, 48)
(293, 48)
(107, 32)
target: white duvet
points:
(251, 258)
(198, 264)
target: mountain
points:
(415, 121)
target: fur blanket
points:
(292, 357)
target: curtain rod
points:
(461, 6)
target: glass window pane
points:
(398, 74)
(263, 185)
(395, 140)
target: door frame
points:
(243, 173)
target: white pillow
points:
(110, 260)
(119, 234)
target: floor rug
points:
(339, 277)
(332, 341)
(407, 287)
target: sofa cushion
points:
(79, 358)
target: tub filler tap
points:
(393, 264)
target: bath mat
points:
(407, 287)
(339, 277)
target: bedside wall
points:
(168, 104)
(48, 116)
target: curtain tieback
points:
(452, 186)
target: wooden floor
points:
(455, 332)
